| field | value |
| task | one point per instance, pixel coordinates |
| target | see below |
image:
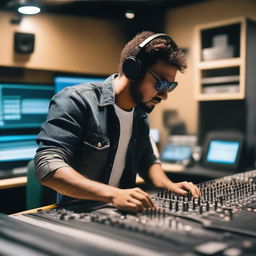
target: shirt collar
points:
(108, 95)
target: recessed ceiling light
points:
(29, 10)
(129, 14)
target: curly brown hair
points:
(160, 48)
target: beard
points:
(137, 97)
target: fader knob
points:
(170, 205)
(207, 206)
(177, 206)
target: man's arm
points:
(159, 179)
(69, 182)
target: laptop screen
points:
(175, 153)
(223, 152)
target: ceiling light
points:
(129, 14)
(29, 9)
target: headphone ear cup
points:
(132, 67)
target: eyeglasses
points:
(163, 84)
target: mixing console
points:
(221, 222)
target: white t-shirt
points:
(126, 121)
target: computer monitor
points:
(176, 153)
(23, 108)
(61, 82)
(179, 149)
(17, 147)
(23, 105)
(15, 153)
(223, 150)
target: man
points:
(96, 137)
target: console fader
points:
(221, 222)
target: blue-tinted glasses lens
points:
(163, 84)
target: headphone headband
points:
(132, 66)
(152, 37)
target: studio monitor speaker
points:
(24, 42)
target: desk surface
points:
(196, 170)
(47, 207)
(13, 182)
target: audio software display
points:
(23, 106)
(64, 81)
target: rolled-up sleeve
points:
(61, 133)
(49, 160)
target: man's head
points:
(160, 48)
(158, 62)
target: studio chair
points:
(36, 194)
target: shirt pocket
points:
(92, 157)
(96, 148)
(99, 144)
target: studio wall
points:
(63, 43)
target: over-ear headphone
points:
(132, 65)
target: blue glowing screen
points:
(17, 147)
(176, 153)
(24, 106)
(64, 81)
(223, 152)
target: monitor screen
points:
(155, 134)
(17, 147)
(64, 81)
(223, 152)
(23, 105)
(175, 153)
(15, 153)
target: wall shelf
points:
(221, 50)
(225, 84)
(231, 62)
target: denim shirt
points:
(82, 131)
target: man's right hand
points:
(133, 199)
(71, 183)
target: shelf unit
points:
(225, 82)
(221, 52)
